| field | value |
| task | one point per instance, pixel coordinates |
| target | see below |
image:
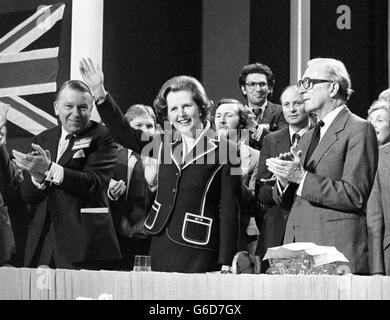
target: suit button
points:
(173, 190)
(177, 174)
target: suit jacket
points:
(8, 189)
(331, 210)
(273, 115)
(135, 207)
(249, 167)
(272, 217)
(378, 216)
(80, 237)
(197, 201)
(7, 240)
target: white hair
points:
(337, 72)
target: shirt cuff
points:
(55, 174)
(40, 186)
(152, 189)
(299, 191)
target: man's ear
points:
(334, 89)
(243, 90)
(55, 105)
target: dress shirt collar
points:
(300, 132)
(329, 118)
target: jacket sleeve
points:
(375, 228)
(123, 133)
(229, 214)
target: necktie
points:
(314, 142)
(258, 113)
(64, 144)
(296, 138)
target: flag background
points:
(11, 14)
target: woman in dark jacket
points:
(194, 218)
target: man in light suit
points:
(70, 168)
(256, 83)
(273, 218)
(332, 170)
(378, 216)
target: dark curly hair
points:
(257, 68)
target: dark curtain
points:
(146, 43)
(363, 48)
(270, 39)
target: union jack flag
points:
(29, 67)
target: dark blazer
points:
(7, 240)
(197, 202)
(79, 237)
(332, 208)
(132, 210)
(8, 199)
(271, 217)
(273, 114)
(378, 216)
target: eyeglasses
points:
(308, 83)
(253, 85)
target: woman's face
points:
(183, 112)
(380, 120)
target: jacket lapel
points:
(123, 164)
(67, 155)
(51, 143)
(203, 146)
(176, 150)
(330, 136)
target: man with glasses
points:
(256, 83)
(329, 176)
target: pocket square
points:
(79, 154)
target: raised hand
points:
(151, 169)
(93, 77)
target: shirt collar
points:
(300, 132)
(329, 118)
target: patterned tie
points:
(258, 112)
(313, 143)
(296, 138)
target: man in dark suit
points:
(70, 168)
(7, 240)
(256, 82)
(272, 217)
(332, 170)
(130, 198)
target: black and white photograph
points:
(195, 156)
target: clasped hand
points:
(36, 162)
(287, 167)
